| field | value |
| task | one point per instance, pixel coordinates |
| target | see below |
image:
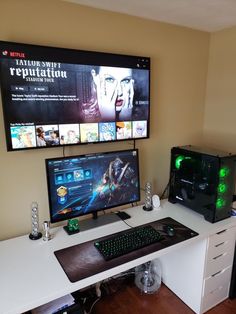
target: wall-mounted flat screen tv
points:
(57, 96)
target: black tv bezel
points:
(64, 55)
(47, 160)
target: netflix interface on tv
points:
(55, 96)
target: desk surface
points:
(30, 274)
(84, 260)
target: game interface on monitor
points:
(79, 185)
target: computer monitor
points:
(86, 184)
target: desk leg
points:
(183, 273)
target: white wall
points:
(179, 59)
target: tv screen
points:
(56, 96)
(85, 184)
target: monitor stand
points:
(98, 221)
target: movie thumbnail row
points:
(26, 136)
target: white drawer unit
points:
(220, 242)
(220, 251)
(215, 297)
(218, 268)
(217, 280)
(217, 263)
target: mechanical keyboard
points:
(127, 241)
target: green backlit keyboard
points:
(127, 241)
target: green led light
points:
(178, 161)
(220, 202)
(224, 171)
(222, 188)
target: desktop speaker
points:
(202, 180)
(148, 197)
(35, 234)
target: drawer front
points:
(221, 248)
(221, 243)
(219, 262)
(222, 236)
(215, 297)
(217, 280)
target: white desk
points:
(30, 274)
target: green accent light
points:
(224, 171)
(178, 161)
(220, 202)
(222, 188)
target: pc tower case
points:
(202, 180)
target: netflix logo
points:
(15, 54)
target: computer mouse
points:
(169, 230)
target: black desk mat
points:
(83, 260)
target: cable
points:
(123, 220)
(167, 186)
(92, 306)
(128, 224)
(165, 190)
(63, 151)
